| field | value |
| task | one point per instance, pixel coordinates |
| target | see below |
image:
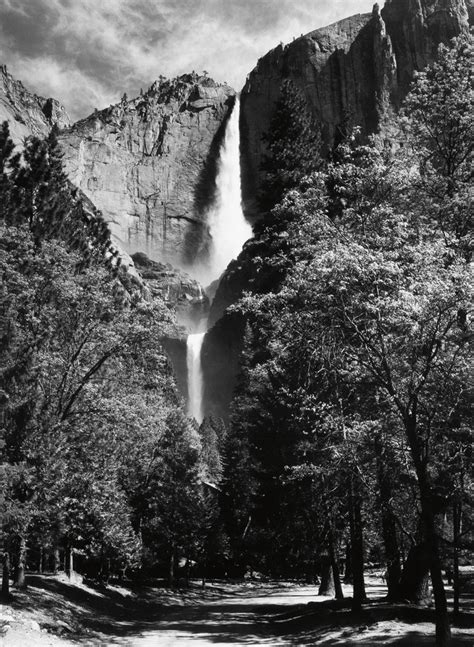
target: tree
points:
(395, 315)
(212, 436)
(293, 146)
(438, 128)
(90, 416)
(81, 376)
(37, 193)
(370, 321)
(175, 501)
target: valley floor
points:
(55, 613)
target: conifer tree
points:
(38, 193)
(293, 146)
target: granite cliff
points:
(357, 70)
(149, 165)
(27, 113)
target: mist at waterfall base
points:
(228, 230)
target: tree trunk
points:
(6, 576)
(414, 583)
(171, 567)
(56, 560)
(188, 571)
(20, 582)
(443, 631)
(335, 587)
(40, 559)
(327, 578)
(456, 533)
(339, 595)
(357, 544)
(348, 566)
(389, 532)
(392, 556)
(69, 557)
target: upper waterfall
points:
(228, 227)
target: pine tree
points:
(37, 192)
(293, 146)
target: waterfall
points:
(228, 228)
(228, 231)
(195, 381)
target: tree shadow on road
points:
(236, 614)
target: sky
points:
(87, 53)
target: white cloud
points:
(87, 53)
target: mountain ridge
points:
(28, 113)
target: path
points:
(241, 618)
(245, 614)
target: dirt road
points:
(246, 617)
(55, 613)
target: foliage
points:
(96, 455)
(35, 192)
(356, 404)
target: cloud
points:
(87, 53)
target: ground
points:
(54, 612)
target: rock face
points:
(27, 113)
(415, 29)
(149, 165)
(179, 291)
(357, 70)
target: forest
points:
(349, 439)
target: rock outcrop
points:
(178, 290)
(357, 70)
(27, 113)
(149, 165)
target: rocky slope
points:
(358, 69)
(27, 113)
(179, 291)
(149, 165)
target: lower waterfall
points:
(195, 381)
(228, 230)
